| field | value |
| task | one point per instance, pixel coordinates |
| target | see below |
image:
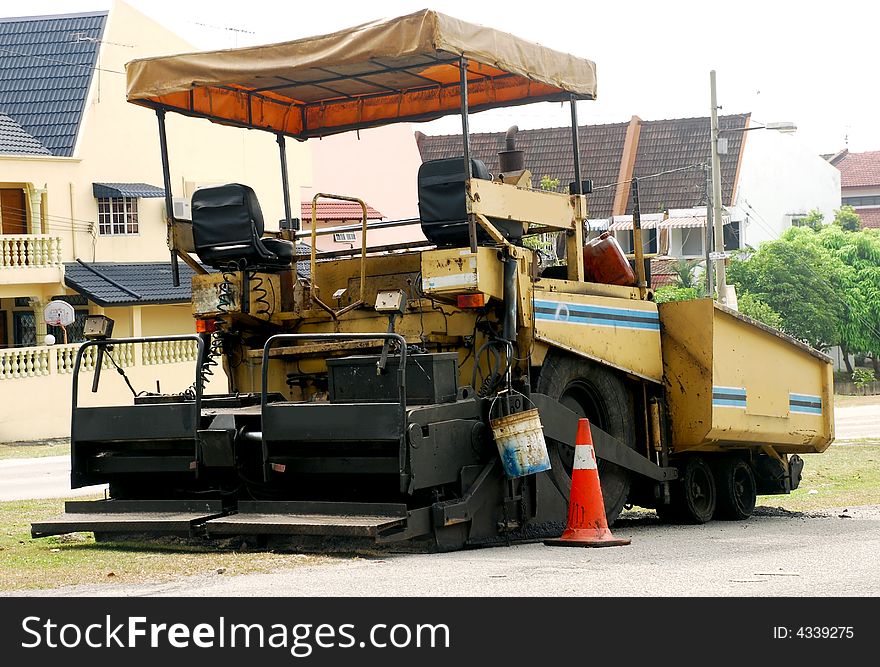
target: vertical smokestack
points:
(511, 159)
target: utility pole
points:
(720, 269)
(709, 230)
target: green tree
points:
(549, 183)
(859, 253)
(800, 280)
(814, 220)
(672, 293)
(685, 274)
(752, 306)
(847, 218)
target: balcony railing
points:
(27, 362)
(34, 251)
(169, 351)
(24, 362)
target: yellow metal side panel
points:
(621, 333)
(334, 275)
(767, 390)
(458, 271)
(731, 382)
(687, 363)
(508, 202)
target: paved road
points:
(47, 477)
(853, 422)
(772, 554)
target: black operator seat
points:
(443, 207)
(227, 228)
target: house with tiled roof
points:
(82, 215)
(768, 179)
(337, 219)
(379, 165)
(860, 184)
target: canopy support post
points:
(576, 148)
(169, 204)
(465, 135)
(285, 182)
(638, 248)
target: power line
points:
(60, 62)
(655, 175)
(62, 219)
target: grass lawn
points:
(27, 450)
(844, 476)
(76, 559)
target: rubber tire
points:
(685, 507)
(599, 394)
(737, 489)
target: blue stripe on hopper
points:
(729, 397)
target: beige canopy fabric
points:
(404, 69)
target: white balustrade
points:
(169, 351)
(35, 251)
(24, 362)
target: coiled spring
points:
(260, 294)
(226, 291)
(206, 370)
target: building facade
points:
(860, 184)
(82, 215)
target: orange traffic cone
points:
(587, 525)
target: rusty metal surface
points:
(318, 348)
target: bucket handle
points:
(510, 391)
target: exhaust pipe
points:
(511, 159)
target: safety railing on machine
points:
(388, 337)
(314, 291)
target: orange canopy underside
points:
(406, 69)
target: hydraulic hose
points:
(508, 331)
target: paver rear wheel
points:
(693, 495)
(737, 491)
(598, 393)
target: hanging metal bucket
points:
(521, 445)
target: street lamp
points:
(718, 224)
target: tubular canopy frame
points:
(400, 70)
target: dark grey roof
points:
(143, 282)
(15, 141)
(304, 266)
(126, 190)
(547, 153)
(46, 67)
(676, 143)
(663, 145)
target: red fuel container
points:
(604, 262)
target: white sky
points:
(812, 63)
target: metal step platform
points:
(168, 517)
(370, 520)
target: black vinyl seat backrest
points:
(227, 228)
(443, 207)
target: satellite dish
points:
(59, 314)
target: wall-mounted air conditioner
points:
(182, 208)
